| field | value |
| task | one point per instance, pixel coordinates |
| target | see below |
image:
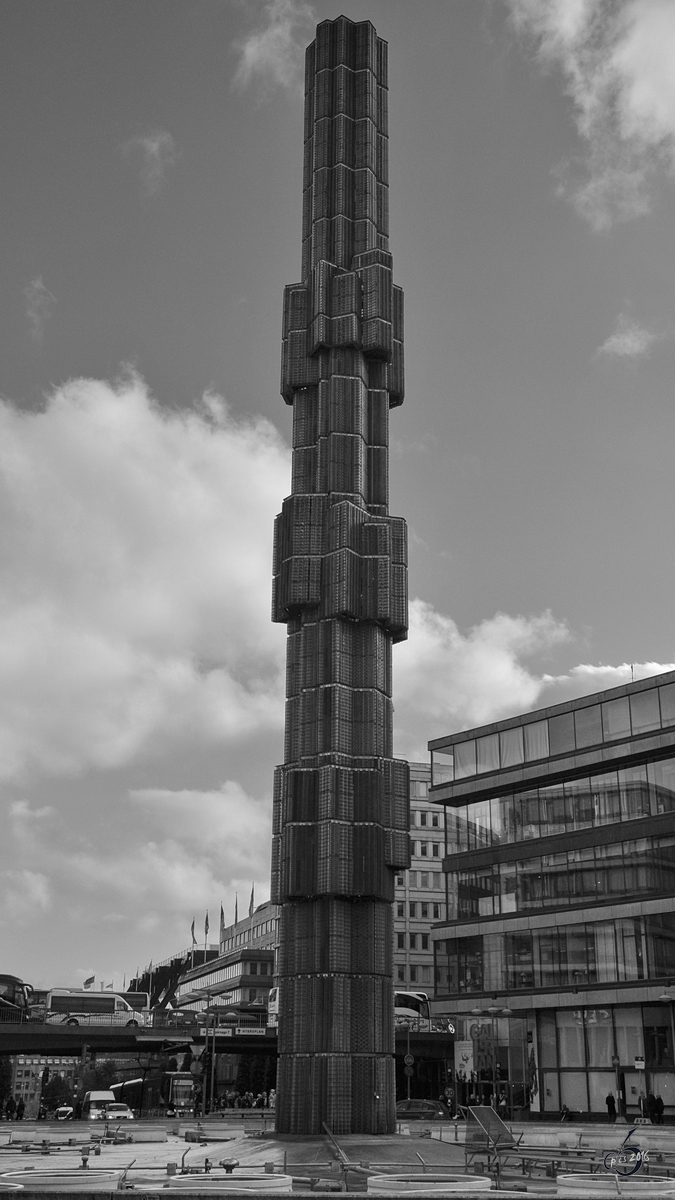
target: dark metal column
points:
(341, 808)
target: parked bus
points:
(160, 1093)
(15, 998)
(64, 1007)
(139, 1001)
(412, 1010)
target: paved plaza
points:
(317, 1164)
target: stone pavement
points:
(317, 1164)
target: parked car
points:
(119, 1112)
(64, 1112)
(422, 1110)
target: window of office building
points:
(635, 866)
(559, 956)
(640, 713)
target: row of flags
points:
(222, 916)
(88, 983)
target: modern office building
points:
(560, 886)
(419, 897)
(242, 972)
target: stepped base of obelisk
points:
(336, 1028)
(346, 1092)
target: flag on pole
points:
(110, 985)
(88, 982)
(206, 924)
(194, 940)
(222, 921)
(236, 908)
(252, 902)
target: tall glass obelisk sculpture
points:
(341, 808)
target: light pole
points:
(616, 1063)
(668, 997)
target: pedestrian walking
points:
(611, 1106)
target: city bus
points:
(140, 1001)
(411, 1009)
(14, 998)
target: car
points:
(422, 1110)
(119, 1112)
(64, 1112)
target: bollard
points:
(172, 1168)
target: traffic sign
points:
(408, 1060)
(408, 1071)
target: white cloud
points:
(156, 152)
(25, 896)
(190, 851)
(445, 680)
(629, 340)
(617, 60)
(135, 567)
(272, 54)
(586, 678)
(39, 305)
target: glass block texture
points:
(341, 801)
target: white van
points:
(95, 1104)
(64, 1007)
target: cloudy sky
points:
(149, 220)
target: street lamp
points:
(493, 1011)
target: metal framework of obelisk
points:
(341, 805)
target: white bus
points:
(411, 1009)
(64, 1007)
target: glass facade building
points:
(560, 894)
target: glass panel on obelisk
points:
(341, 805)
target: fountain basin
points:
(427, 1184)
(90, 1180)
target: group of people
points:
(233, 1099)
(13, 1110)
(248, 1100)
(650, 1106)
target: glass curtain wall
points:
(620, 950)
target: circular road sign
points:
(408, 1060)
(408, 1071)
